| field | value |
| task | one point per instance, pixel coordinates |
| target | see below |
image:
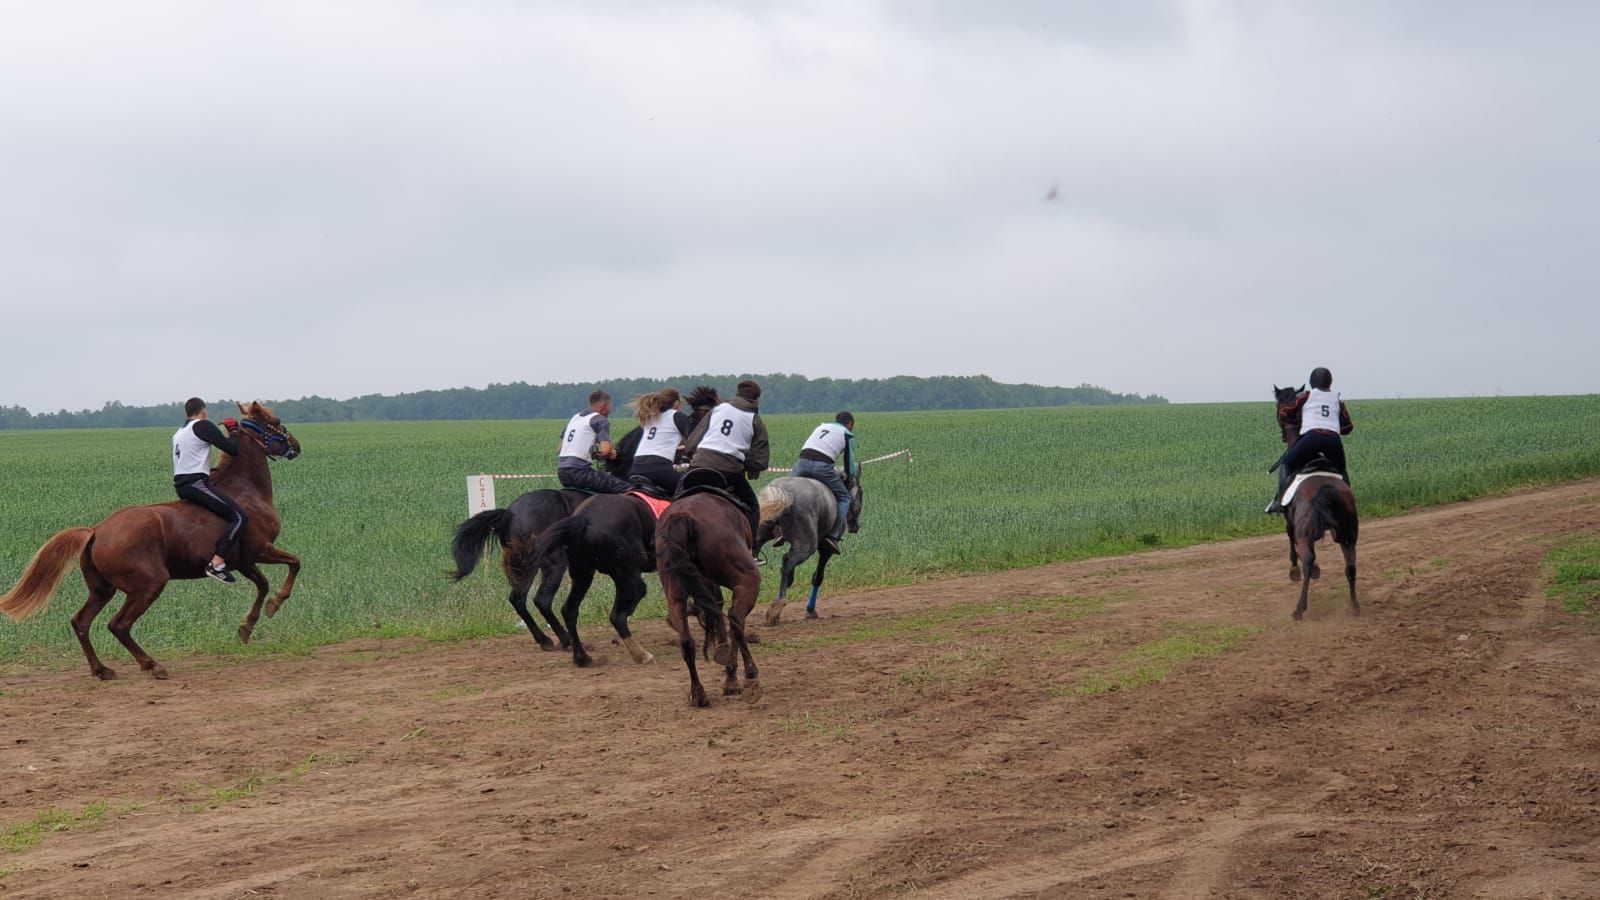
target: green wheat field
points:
(370, 507)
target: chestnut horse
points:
(138, 549)
(1320, 505)
(703, 545)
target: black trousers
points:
(202, 493)
(592, 480)
(1309, 445)
(659, 471)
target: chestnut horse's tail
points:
(44, 573)
(680, 536)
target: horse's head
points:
(853, 521)
(1283, 399)
(260, 423)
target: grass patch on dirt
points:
(1153, 661)
(938, 623)
(806, 723)
(251, 786)
(50, 820)
(1572, 574)
(454, 691)
(951, 669)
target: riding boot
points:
(1276, 506)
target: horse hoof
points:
(1296, 615)
(812, 614)
(723, 655)
(731, 690)
(272, 607)
(697, 698)
(158, 672)
(647, 659)
(244, 635)
(1294, 575)
(1316, 572)
(772, 620)
(105, 674)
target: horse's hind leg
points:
(678, 618)
(249, 570)
(1308, 564)
(1350, 575)
(630, 590)
(122, 626)
(100, 593)
(744, 601)
(545, 597)
(1294, 557)
(582, 577)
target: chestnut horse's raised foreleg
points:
(252, 573)
(274, 556)
(122, 626)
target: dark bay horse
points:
(1322, 504)
(138, 549)
(613, 534)
(702, 546)
(517, 528)
(801, 511)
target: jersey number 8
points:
(727, 426)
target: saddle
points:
(1319, 463)
(708, 481)
(643, 485)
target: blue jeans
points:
(828, 475)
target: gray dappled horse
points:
(802, 511)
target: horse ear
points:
(1302, 389)
(242, 411)
(1275, 388)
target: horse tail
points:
(1324, 512)
(472, 538)
(774, 500)
(44, 573)
(552, 540)
(681, 542)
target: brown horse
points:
(1320, 505)
(138, 549)
(703, 545)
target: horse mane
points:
(703, 397)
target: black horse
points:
(1322, 503)
(613, 534)
(517, 527)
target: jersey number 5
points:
(1325, 412)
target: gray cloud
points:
(388, 197)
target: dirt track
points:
(1446, 743)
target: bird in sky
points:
(1054, 195)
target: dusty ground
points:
(926, 741)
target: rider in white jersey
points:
(587, 435)
(191, 477)
(732, 440)
(831, 444)
(1322, 418)
(663, 430)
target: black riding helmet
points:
(1321, 378)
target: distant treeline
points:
(780, 394)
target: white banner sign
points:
(480, 494)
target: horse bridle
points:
(267, 434)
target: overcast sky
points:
(276, 199)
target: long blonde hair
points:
(647, 406)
